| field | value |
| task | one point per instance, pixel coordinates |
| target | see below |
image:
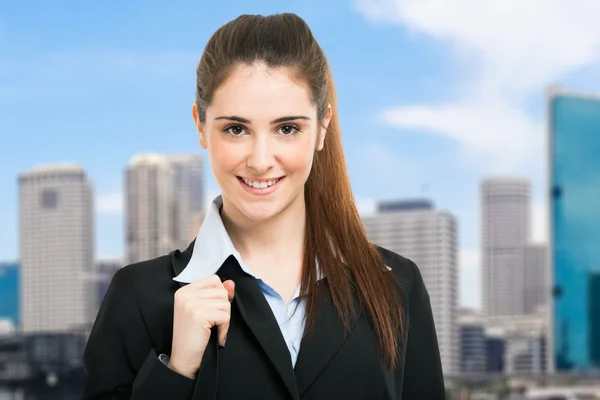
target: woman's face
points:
(261, 133)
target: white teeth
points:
(261, 184)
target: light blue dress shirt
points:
(212, 247)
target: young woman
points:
(280, 296)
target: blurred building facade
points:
(44, 366)
(506, 204)
(524, 342)
(9, 292)
(574, 184)
(56, 221)
(472, 342)
(427, 236)
(536, 284)
(165, 195)
(188, 201)
(149, 198)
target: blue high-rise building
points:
(574, 184)
(9, 292)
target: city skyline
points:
(428, 106)
(367, 211)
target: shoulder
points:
(404, 269)
(143, 289)
(144, 272)
(145, 278)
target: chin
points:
(259, 211)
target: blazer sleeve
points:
(119, 357)
(423, 377)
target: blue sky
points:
(433, 95)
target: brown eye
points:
(234, 130)
(288, 130)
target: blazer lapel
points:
(322, 343)
(257, 314)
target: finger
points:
(208, 282)
(212, 293)
(207, 306)
(230, 286)
(222, 333)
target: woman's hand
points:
(198, 307)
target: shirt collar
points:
(212, 247)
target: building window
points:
(49, 199)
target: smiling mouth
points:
(260, 184)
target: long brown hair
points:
(334, 233)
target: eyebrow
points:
(275, 121)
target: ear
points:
(323, 128)
(199, 126)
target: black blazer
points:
(134, 325)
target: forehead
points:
(257, 91)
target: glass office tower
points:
(574, 150)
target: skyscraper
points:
(427, 236)
(165, 198)
(574, 192)
(472, 342)
(56, 246)
(9, 292)
(188, 201)
(506, 204)
(149, 205)
(535, 282)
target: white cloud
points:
(515, 49)
(111, 203)
(540, 222)
(512, 134)
(470, 278)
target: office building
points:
(165, 196)
(46, 366)
(188, 201)
(536, 284)
(574, 193)
(524, 342)
(472, 342)
(427, 236)
(9, 292)
(149, 207)
(506, 204)
(495, 347)
(56, 222)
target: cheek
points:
(300, 159)
(223, 157)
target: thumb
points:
(230, 286)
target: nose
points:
(261, 157)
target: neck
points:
(278, 238)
